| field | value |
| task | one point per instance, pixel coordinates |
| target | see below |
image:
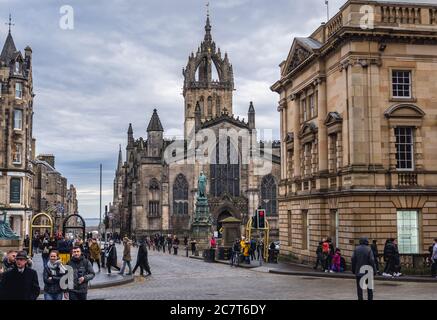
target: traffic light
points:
(261, 214)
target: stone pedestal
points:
(231, 231)
(201, 224)
(6, 245)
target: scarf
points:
(53, 267)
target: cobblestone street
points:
(180, 278)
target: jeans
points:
(96, 261)
(77, 296)
(360, 291)
(53, 296)
(124, 267)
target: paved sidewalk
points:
(295, 269)
(101, 280)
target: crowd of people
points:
(19, 280)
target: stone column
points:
(322, 112)
(296, 127)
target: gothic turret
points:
(251, 116)
(130, 136)
(155, 136)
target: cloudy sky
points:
(125, 57)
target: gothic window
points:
(180, 195)
(209, 107)
(202, 107)
(269, 195)
(219, 107)
(225, 175)
(154, 199)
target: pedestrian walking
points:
(193, 246)
(175, 245)
(389, 258)
(53, 272)
(21, 282)
(83, 273)
(396, 260)
(325, 254)
(126, 256)
(111, 257)
(252, 249)
(95, 253)
(374, 247)
(142, 260)
(319, 256)
(169, 243)
(363, 256)
(434, 260)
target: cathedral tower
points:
(209, 82)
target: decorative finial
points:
(207, 9)
(10, 23)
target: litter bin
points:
(209, 255)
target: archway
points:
(41, 222)
(79, 225)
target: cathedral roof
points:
(227, 118)
(9, 49)
(155, 123)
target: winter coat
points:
(95, 251)
(81, 268)
(19, 286)
(246, 250)
(51, 285)
(111, 255)
(336, 262)
(374, 248)
(126, 252)
(142, 254)
(362, 256)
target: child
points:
(336, 262)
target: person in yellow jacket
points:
(246, 252)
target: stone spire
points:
(155, 123)
(120, 160)
(9, 49)
(208, 28)
(130, 136)
(251, 115)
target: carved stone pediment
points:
(300, 54)
(333, 118)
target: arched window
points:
(180, 195)
(225, 174)
(209, 107)
(219, 107)
(268, 195)
(154, 199)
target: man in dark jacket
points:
(20, 283)
(142, 260)
(389, 258)
(83, 273)
(363, 256)
(111, 257)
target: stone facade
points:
(358, 130)
(27, 185)
(16, 141)
(155, 188)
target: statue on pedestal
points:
(202, 185)
(6, 232)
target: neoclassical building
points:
(358, 105)
(155, 188)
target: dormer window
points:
(17, 68)
(18, 90)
